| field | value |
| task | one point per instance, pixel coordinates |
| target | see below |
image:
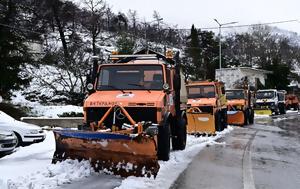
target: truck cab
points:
(269, 102)
(239, 106)
(144, 89)
(207, 111)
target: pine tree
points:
(125, 44)
(192, 65)
(209, 53)
(13, 51)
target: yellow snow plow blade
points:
(199, 122)
(263, 112)
(235, 117)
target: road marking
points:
(248, 179)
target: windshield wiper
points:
(139, 85)
(114, 87)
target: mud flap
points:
(200, 123)
(235, 117)
(117, 153)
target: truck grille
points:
(138, 114)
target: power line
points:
(239, 26)
(21, 29)
(248, 25)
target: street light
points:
(220, 45)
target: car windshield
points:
(265, 94)
(235, 94)
(130, 77)
(202, 91)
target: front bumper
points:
(7, 145)
(34, 137)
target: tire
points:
(218, 124)
(19, 139)
(246, 117)
(163, 142)
(179, 136)
(251, 117)
(282, 109)
(224, 120)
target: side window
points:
(168, 76)
(104, 77)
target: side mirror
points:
(166, 88)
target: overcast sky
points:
(184, 13)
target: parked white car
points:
(25, 132)
(8, 141)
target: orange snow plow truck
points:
(207, 111)
(134, 109)
(240, 107)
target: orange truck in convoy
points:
(292, 102)
(240, 107)
(134, 112)
(207, 111)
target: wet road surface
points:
(260, 156)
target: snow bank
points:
(170, 170)
(30, 167)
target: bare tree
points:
(93, 19)
(132, 15)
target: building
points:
(234, 76)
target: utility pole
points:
(220, 41)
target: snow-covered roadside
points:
(170, 170)
(30, 167)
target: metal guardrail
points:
(64, 122)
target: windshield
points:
(203, 91)
(235, 94)
(130, 77)
(265, 94)
(281, 97)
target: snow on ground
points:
(30, 167)
(38, 109)
(280, 119)
(54, 111)
(170, 170)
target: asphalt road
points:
(260, 156)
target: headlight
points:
(90, 86)
(2, 137)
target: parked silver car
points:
(25, 133)
(8, 141)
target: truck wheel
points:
(163, 140)
(282, 110)
(251, 117)
(246, 117)
(218, 124)
(179, 138)
(224, 123)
